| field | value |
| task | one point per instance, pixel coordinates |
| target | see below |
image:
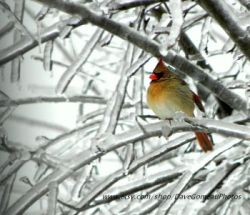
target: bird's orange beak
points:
(153, 77)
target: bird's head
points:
(161, 72)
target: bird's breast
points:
(165, 100)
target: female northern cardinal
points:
(168, 94)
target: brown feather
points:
(204, 142)
(197, 101)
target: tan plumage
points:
(168, 94)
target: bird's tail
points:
(204, 142)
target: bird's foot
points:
(179, 116)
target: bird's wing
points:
(197, 101)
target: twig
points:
(205, 35)
(177, 21)
(152, 47)
(99, 188)
(127, 4)
(24, 157)
(206, 80)
(69, 134)
(83, 178)
(106, 145)
(6, 29)
(19, 11)
(245, 3)
(6, 114)
(116, 102)
(11, 159)
(165, 206)
(38, 123)
(137, 185)
(222, 13)
(55, 62)
(42, 13)
(27, 43)
(15, 64)
(82, 58)
(47, 59)
(225, 128)
(213, 181)
(192, 52)
(91, 115)
(240, 180)
(114, 105)
(55, 99)
(6, 194)
(52, 199)
(190, 172)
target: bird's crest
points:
(160, 67)
(163, 72)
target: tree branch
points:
(124, 5)
(190, 172)
(55, 99)
(245, 3)
(52, 199)
(69, 74)
(100, 187)
(221, 12)
(6, 195)
(240, 180)
(27, 43)
(111, 143)
(152, 47)
(16, 64)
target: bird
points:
(168, 94)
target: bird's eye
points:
(160, 74)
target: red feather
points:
(202, 137)
(197, 101)
(204, 142)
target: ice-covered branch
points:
(246, 3)
(152, 47)
(6, 29)
(27, 43)
(127, 4)
(239, 180)
(191, 51)
(69, 74)
(15, 64)
(38, 123)
(190, 172)
(222, 13)
(103, 185)
(177, 21)
(116, 101)
(224, 128)
(206, 80)
(143, 183)
(213, 181)
(6, 193)
(52, 200)
(52, 99)
(18, 163)
(114, 105)
(16, 16)
(113, 142)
